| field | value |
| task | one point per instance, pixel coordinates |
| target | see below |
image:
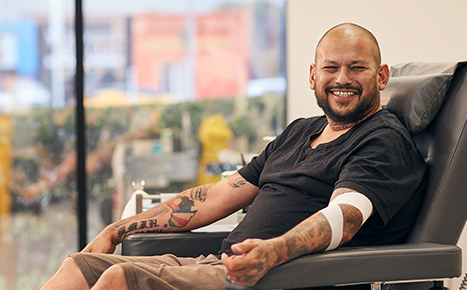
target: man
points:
(351, 177)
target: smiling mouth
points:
(343, 94)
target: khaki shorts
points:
(156, 272)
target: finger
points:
(245, 281)
(233, 263)
(227, 259)
(237, 282)
(238, 274)
(243, 247)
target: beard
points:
(364, 106)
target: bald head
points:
(350, 31)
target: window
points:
(38, 225)
(175, 93)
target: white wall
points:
(407, 30)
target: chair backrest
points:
(444, 145)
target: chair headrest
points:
(416, 91)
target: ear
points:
(383, 76)
(312, 76)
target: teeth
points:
(343, 94)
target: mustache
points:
(328, 89)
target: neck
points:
(339, 126)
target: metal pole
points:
(80, 127)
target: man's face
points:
(347, 79)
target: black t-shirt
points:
(377, 158)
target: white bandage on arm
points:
(333, 214)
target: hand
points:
(101, 244)
(254, 258)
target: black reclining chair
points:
(438, 123)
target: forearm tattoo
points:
(180, 209)
(314, 234)
(309, 236)
(267, 259)
(149, 225)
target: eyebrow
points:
(352, 63)
(360, 61)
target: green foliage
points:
(49, 134)
(54, 131)
(243, 126)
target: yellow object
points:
(215, 135)
(5, 163)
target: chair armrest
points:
(356, 265)
(182, 244)
(359, 265)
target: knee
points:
(68, 276)
(115, 271)
(112, 278)
(69, 265)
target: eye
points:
(330, 68)
(358, 67)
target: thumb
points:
(243, 247)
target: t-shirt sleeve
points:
(387, 168)
(252, 171)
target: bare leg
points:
(113, 278)
(68, 277)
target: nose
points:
(343, 77)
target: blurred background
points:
(175, 92)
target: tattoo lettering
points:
(152, 223)
(181, 208)
(132, 227)
(121, 231)
(142, 226)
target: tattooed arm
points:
(256, 257)
(191, 209)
